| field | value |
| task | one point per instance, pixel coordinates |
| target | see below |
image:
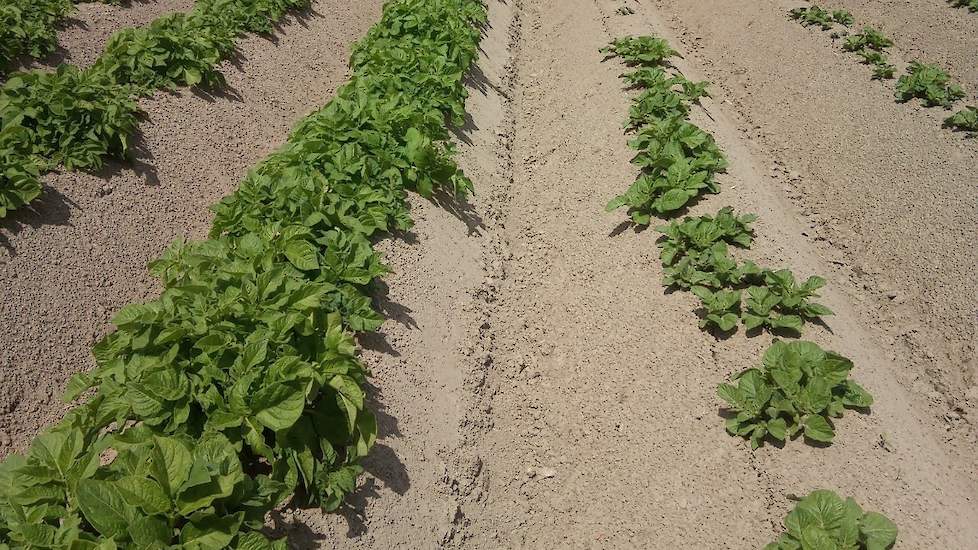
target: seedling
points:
(721, 308)
(869, 38)
(795, 391)
(818, 16)
(929, 83)
(823, 520)
(966, 119)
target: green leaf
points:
(777, 428)
(302, 254)
(856, 396)
(210, 532)
(818, 428)
(278, 406)
(170, 463)
(144, 493)
(149, 531)
(878, 532)
(814, 538)
(104, 506)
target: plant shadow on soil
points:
(296, 16)
(383, 465)
(140, 162)
(51, 208)
(459, 207)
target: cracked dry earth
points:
(537, 386)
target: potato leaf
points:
(798, 386)
(824, 520)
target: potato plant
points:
(966, 120)
(930, 83)
(867, 39)
(870, 45)
(678, 160)
(796, 390)
(29, 27)
(695, 255)
(823, 520)
(815, 15)
(239, 388)
(972, 5)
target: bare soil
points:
(537, 386)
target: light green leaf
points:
(818, 429)
(278, 406)
(879, 533)
(104, 506)
(302, 254)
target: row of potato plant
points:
(798, 386)
(78, 117)
(239, 388)
(929, 83)
(972, 5)
(29, 27)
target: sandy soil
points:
(589, 415)
(889, 192)
(932, 32)
(538, 388)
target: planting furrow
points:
(240, 385)
(800, 386)
(793, 373)
(580, 415)
(930, 83)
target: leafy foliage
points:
(782, 303)
(29, 27)
(868, 39)
(721, 308)
(21, 180)
(678, 159)
(815, 15)
(870, 45)
(640, 50)
(930, 83)
(882, 69)
(696, 234)
(78, 117)
(842, 17)
(695, 255)
(175, 50)
(797, 388)
(239, 387)
(70, 116)
(966, 119)
(972, 5)
(823, 520)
